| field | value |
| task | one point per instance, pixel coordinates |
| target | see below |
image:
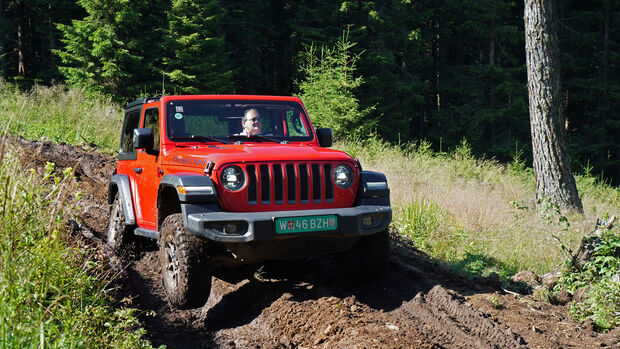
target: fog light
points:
(231, 228)
(367, 221)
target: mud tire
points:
(119, 235)
(182, 257)
(366, 259)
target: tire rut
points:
(446, 320)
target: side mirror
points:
(143, 138)
(325, 137)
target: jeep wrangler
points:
(214, 197)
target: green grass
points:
(60, 115)
(52, 295)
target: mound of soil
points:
(416, 304)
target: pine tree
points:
(28, 34)
(315, 22)
(47, 36)
(114, 48)
(480, 92)
(199, 62)
(258, 34)
(327, 90)
(590, 44)
(96, 56)
(394, 62)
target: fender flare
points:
(199, 188)
(373, 184)
(120, 183)
(373, 189)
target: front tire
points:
(366, 259)
(182, 256)
(119, 234)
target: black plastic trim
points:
(367, 195)
(325, 137)
(191, 180)
(153, 234)
(120, 183)
(141, 101)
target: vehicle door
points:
(127, 155)
(147, 173)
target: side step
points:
(152, 234)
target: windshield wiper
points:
(202, 138)
(249, 137)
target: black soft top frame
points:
(142, 101)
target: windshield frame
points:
(169, 112)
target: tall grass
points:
(60, 115)
(51, 294)
(457, 207)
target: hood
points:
(221, 154)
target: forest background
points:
(439, 71)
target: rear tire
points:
(119, 235)
(366, 259)
(182, 256)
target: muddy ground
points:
(416, 304)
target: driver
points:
(251, 123)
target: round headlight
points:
(232, 178)
(343, 176)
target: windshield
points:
(236, 120)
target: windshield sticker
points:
(178, 116)
(179, 108)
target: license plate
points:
(305, 224)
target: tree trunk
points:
(3, 39)
(436, 61)
(605, 63)
(554, 179)
(21, 70)
(50, 24)
(492, 39)
(491, 82)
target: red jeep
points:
(226, 180)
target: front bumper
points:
(257, 226)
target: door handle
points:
(137, 170)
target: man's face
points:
(252, 125)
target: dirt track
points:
(303, 304)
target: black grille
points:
(329, 189)
(278, 183)
(295, 183)
(316, 183)
(265, 184)
(291, 185)
(303, 183)
(252, 194)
